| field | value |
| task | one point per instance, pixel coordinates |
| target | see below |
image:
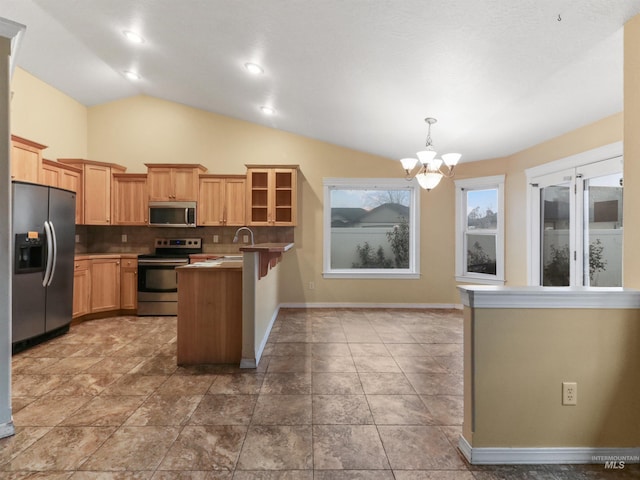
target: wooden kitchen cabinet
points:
(130, 199)
(26, 159)
(129, 284)
(105, 284)
(96, 186)
(81, 288)
(173, 182)
(222, 200)
(209, 315)
(56, 174)
(272, 195)
(50, 173)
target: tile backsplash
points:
(140, 239)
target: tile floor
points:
(339, 394)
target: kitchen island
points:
(226, 307)
(210, 312)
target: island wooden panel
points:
(209, 315)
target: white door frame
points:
(538, 174)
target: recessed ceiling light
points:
(133, 37)
(267, 110)
(254, 68)
(132, 75)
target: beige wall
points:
(45, 115)
(631, 255)
(143, 129)
(517, 394)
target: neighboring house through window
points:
(371, 228)
(480, 230)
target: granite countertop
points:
(267, 247)
(89, 256)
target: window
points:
(371, 228)
(577, 224)
(480, 230)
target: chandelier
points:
(431, 169)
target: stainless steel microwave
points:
(172, 214)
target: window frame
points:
(413, 272)
(462, 187)
(575, 170)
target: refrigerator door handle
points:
(50, 253)
(55, 253)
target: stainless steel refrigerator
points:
(44, 241)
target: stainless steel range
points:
(157, 277)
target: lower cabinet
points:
(105, 284)
(81, 288)
(129, 284)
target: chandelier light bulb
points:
(426, 156)
(451, 159)
(408, 163)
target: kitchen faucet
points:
(235, 238)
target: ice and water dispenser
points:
(29, 252)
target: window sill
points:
(372, 275)
(479, 280)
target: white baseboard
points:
(263, 343)
(253, 362)
(7, 429)
(562, 455)
(421, 306)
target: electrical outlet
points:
(77, 238)
(245, 239)
(124, 238)
(312, 285)
(216, 239)
(569, 393)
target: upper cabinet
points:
(272, 195)
(26, 159)
(130, 199)
(97, 189)
(60, 175)
(50, 173)
(173, 182)
(222, 200)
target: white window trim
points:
(595, 158)
(479, 183)
(413, 272)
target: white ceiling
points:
(499, 75)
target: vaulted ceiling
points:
(499, 75)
